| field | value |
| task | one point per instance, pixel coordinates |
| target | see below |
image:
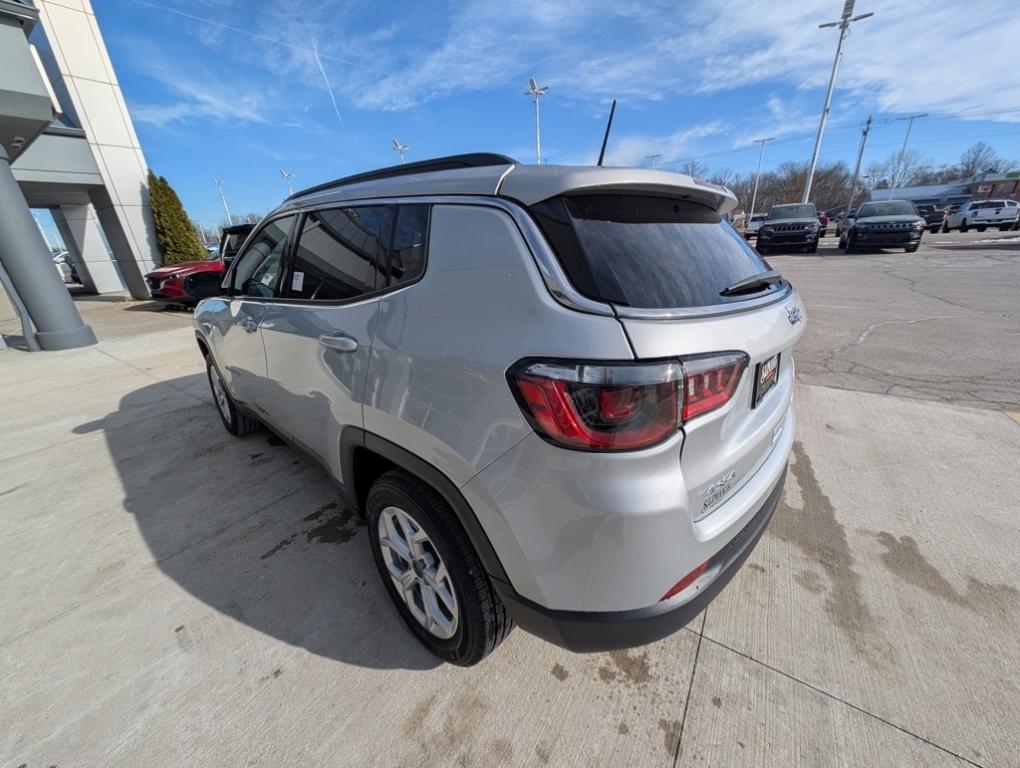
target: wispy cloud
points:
(643, 51)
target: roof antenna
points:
(605, 139)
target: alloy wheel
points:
(219, 393)
(418, 572)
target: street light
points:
(903, 150)
(652, 158)
(401, 149)
(757, 176)
(843, 24)
(219, 186)
(537, 92)
(287, 176)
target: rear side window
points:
(406, 255)
(648, 252)
(339, 254)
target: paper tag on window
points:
(297, 283)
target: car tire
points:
(404, 515)
(945, 228)
(762, 250)
(912, 248)
(980, 229)
(1006, 228)
(963, 225)
(934, 230)
(812, 248)
(235, 421)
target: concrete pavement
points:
(170, 595)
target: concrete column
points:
(120, 240)
(26, 259)
(79, 228)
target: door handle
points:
(249, 325)
(341, 342)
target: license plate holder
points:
(766, 374)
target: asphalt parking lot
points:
(170, 595)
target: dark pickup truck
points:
(933, 216)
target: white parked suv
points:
(561, 396)
(982, 214)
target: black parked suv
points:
(888, 224)
(790, 227)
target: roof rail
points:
(472, 160)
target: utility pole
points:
(857, 167)
(287, 176)
(903, 151)
(226, 210)
(757, 177)
(652, 158)
(843, 24)
(537, 91)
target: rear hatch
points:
(684, 284)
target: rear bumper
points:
(587, 632)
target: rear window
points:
(648, 252)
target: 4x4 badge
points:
(793, 315)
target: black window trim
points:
(379, 292)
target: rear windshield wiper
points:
(752, 284)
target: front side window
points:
(258, 270)
(339, 254)
(647, 252)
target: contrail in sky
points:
(329, 88)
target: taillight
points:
(710, 381)
(622, 406)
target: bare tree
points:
(694, 168)
(979, 158)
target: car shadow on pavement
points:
(252, 527)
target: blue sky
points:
(239, 90)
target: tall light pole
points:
(287, 176)
(857, 168)
(401, 149)
(757, 177)
(226, 210)
(903, 150)
(537, 91)
(843, 24)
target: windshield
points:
(803, 211)
(891, 208)
(648, 252)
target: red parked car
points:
(187, 284)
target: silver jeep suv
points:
(561, 396)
